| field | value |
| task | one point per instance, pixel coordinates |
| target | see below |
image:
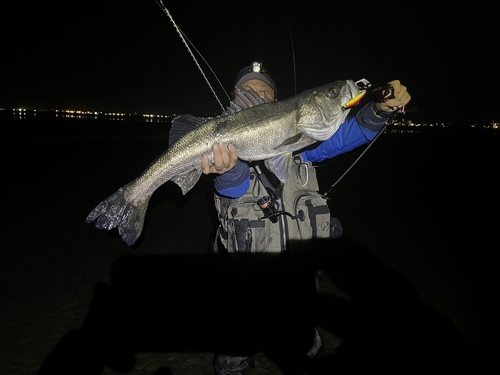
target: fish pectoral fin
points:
(188, 179)
(280, 166)
(292, 140)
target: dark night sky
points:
(126, 55)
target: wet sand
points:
(412, 284)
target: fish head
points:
(322, 110)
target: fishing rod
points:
(184, 38)
(382, 93)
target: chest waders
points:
(270, 219)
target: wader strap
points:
(271, 189)
(313, 211)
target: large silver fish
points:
(260, 130)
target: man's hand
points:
(225, 159)
(401, 98)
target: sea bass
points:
(258, 128)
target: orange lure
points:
(351, 103)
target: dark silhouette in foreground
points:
(167, 303)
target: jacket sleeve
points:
(354, 132)
(233, 183)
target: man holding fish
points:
(295, 210)
(281, 210)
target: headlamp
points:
(256, 67)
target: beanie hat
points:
(254, 71)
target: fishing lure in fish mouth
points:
(363, 85)
(351, 103)
(381, 93)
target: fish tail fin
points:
(116, 212)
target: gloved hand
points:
(401, 98)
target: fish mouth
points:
(356, 95)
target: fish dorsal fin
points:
(280, 166)
(183, 124)
(244, 99)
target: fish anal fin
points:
(187, 180)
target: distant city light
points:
(396, 125)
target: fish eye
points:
(334, 92)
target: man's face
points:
(260, 87)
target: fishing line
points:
(293, 56)
(355, 161)
(184, 38)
